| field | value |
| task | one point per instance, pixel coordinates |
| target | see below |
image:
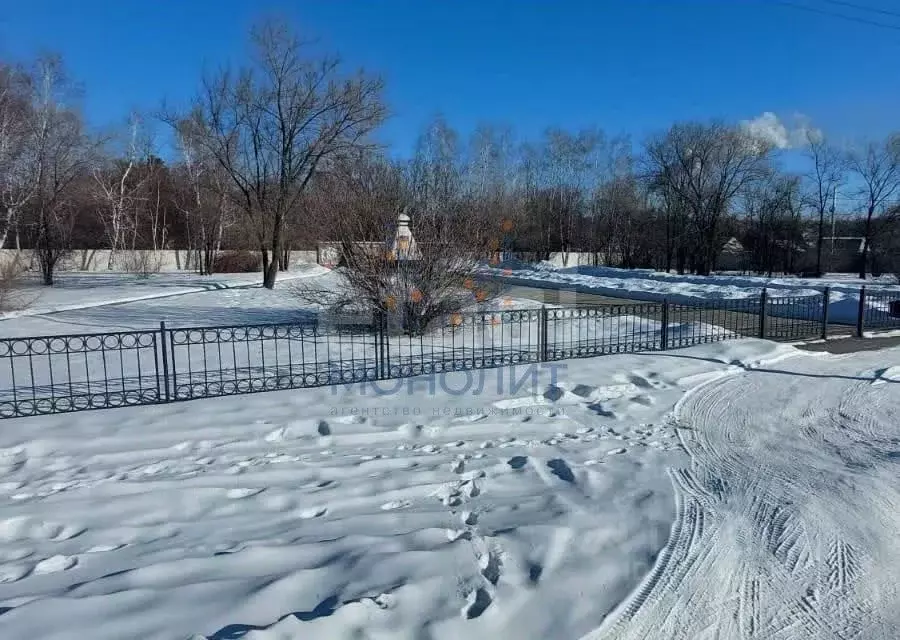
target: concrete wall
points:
(98, 260)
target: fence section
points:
(878, 311)
(217, 361)
(599, 330)
(789, 317)
(462, 341)
(57, 374)
(713, 321)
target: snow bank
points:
(653, 286)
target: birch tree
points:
(119, 184)
(60, 154)
(16, 184)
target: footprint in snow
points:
(616, 451)
(395, 504)
(105, 548)
(471, 489)
(517, 462)
(237, 494)
(13, 572)
(476, 603)
(55, 564)
(458, 534)
(644, 400)
(561, 470)
(313, 512)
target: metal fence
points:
(57, 374)
(877, 311)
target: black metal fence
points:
(877, 311)
(57, 374)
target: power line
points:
(859, 7)
(832, 14)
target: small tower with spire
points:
(403, 247)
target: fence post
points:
(385, 347)
(376, 325)
(542, 335)
(826, 299)
(664, 331)
(762, 313)
(165, 360)
(861, 315)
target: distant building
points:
(733, 257)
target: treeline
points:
(277, 154)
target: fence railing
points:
(58, 374)
(877, 311)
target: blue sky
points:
(626, 66)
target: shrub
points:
(10, 280)
(237, 262)
(141, 262)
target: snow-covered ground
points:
(78, 291)
(734, 490)
(645, 284)
(787, 517)
(440, 508)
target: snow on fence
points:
(63, 373)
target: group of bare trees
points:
(276, 154)
(249, 146)
(676, 202)
(44, 150)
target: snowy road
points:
(788, 517)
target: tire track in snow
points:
(785, 518)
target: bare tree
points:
(59, 156)
(272, 125)
(16, 183)
(706, 166)
(120, 184)
(824, 177)
(773, 229)
(359, 199)
(203, 195)
(877, 165)
(435, 278)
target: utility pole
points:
(833, 205)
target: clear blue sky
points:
(626, 66)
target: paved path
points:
(853, 345)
